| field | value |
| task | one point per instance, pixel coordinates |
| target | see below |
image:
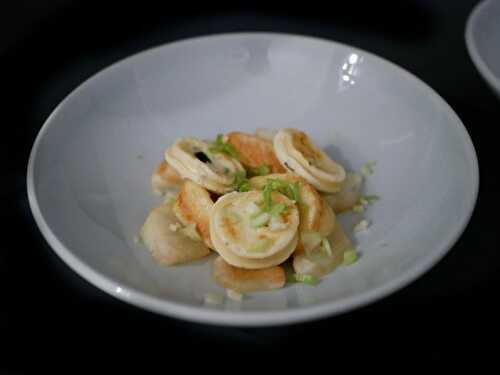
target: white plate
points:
(89, 170)
(482, 36)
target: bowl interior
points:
(90, 169)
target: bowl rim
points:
(480, 64)
(202, 314)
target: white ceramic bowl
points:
(482, 36)
(89, 170)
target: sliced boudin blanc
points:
(247, 281)
(168, 244)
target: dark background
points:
(51, 318)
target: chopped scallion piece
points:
(268, 199)
(358, 208)
(361, 226)
(277, 209)
(221, 147)
(261, 170)
(350, 256)
(234, 295)
(214, 299)
(306, 279)
(295, 189)
(367, 168)
(260, 220)
(327, 248)
(368, 199)
(290, 190)
(240, 182)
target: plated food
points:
(264, 203)
(89, 194)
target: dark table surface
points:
(49, 313)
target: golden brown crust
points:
(164, 178)
(192, 206)
(230, 228)
(303, 144)
(315, 203)
(298, 154)
(246, 281)
(255, 151)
